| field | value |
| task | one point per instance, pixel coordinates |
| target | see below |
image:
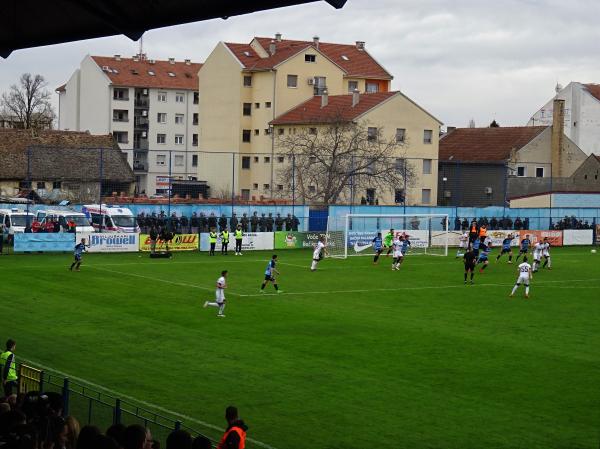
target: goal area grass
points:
(351, 356)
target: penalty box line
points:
(142, 402)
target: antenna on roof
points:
(141, 52)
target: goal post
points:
(353, 234)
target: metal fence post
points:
(29, 180)
(293, 182)
(101, 175)
(233, 182)
(177, 425)
(41, 382)
(66, 397)
(551, 176)
(117, 416)
(169, 192)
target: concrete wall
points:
(95, 99)
(68, 110)
(467, 184)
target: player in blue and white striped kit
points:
(270, 273)
(78, 253)
(378, 247)
(506, 249)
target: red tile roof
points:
(593, 89)
(131, 73)
(357, 63)
(339, 107)
(486, 144)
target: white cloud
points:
(460, 60)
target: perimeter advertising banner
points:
(110, 242)
(252, 241)
(180, 242)
(294, 240)
(498, 236)
(361, 240)
(51, 242)
(554, 237)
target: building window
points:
(320, 83)
(162, 97)
(161, 159)
(161, 117)
(400, 165)
(292, 81)
(267, 131)
(267, 160)
(312, 189)
(425, 196)
(179, 118)
(247, 109)
(246, 162)
(246, 135)
(194, 140)
(194, 160)
(426, 166)
(267, 104)
(121, 94)
(22, 185)
(255, 186)
(372, 134)
(57, 185)
(120, 136)
(255, 159)
(372, 88)
(352, 86)
(310, 58)
(280, 159)
(370, 194)
(195, 118)
(279, 186)
(281, 131)
(256, 132)
(399, 196)
(539, 172)
(400, 135)
(427, 136)
(521, 171)
(245, 194)
(178, 160)
(256, 105)
(196, 97)
(161, 139)
(266, 186)
(41, 185)
(120, 115)
(179, 97)
(312, 131)
(178, 139)
(247, 80)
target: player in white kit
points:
(318, 253)
(525, 276)
(219, 295)
(463, 243)
(546, 254)
(537, 256)
(397, 248)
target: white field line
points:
(139, 401)
(432, 287)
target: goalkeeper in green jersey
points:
(387, 242)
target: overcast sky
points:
(459, 59)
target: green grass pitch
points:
(352, 356)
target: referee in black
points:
(470, 260)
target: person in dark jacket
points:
(288, 222)
(235, 435)
(244, 223)
(203, 222)
(212, 221)
(222, 222)
(233, 222)
(254, 222)
(295, 223)
(262, 223)
(270, 222)
(278, 223)
(153, 238)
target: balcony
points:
(141, 103)
(141, 123)
(141, 144)
(139, 166)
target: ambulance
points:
(15, 220)
(110, 218)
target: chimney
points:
(188, 62)
(316, 42)
(272, 48)
(117, 57)
(171, 60)
(449, 129)
(355, 97)
(278, 37)
(558, 133)
(360, 45)
(324, 98)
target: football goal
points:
(353, 234)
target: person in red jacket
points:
(49, 226)
(235, 435)
(36, 226)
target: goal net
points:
(353, 234)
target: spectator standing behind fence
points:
(262, 223)
(222, 222)
(254, 222)
(212, 221)
(8, 368)
(288, 222)
(244, 223)
(233, 222)
(270, 222)
(295, 223)
(195, 223)
(203, 222)
(235, 435)
(278, 223)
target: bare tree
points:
(27, 104)
(326, 163)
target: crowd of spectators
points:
(35, 421)
(50, 225)
(493, 224)
(572, 223)
(204, 223)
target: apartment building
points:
(149, 106)
(389, 116)
(247, 85)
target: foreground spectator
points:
(179, 439)
(103, 442)
(86, 437)
(117, 433)
(201, 442)
(73, 429)
(235, 435)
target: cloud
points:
(460, 60)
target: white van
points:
(82, 223)
(15, 220)
(110, 218)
